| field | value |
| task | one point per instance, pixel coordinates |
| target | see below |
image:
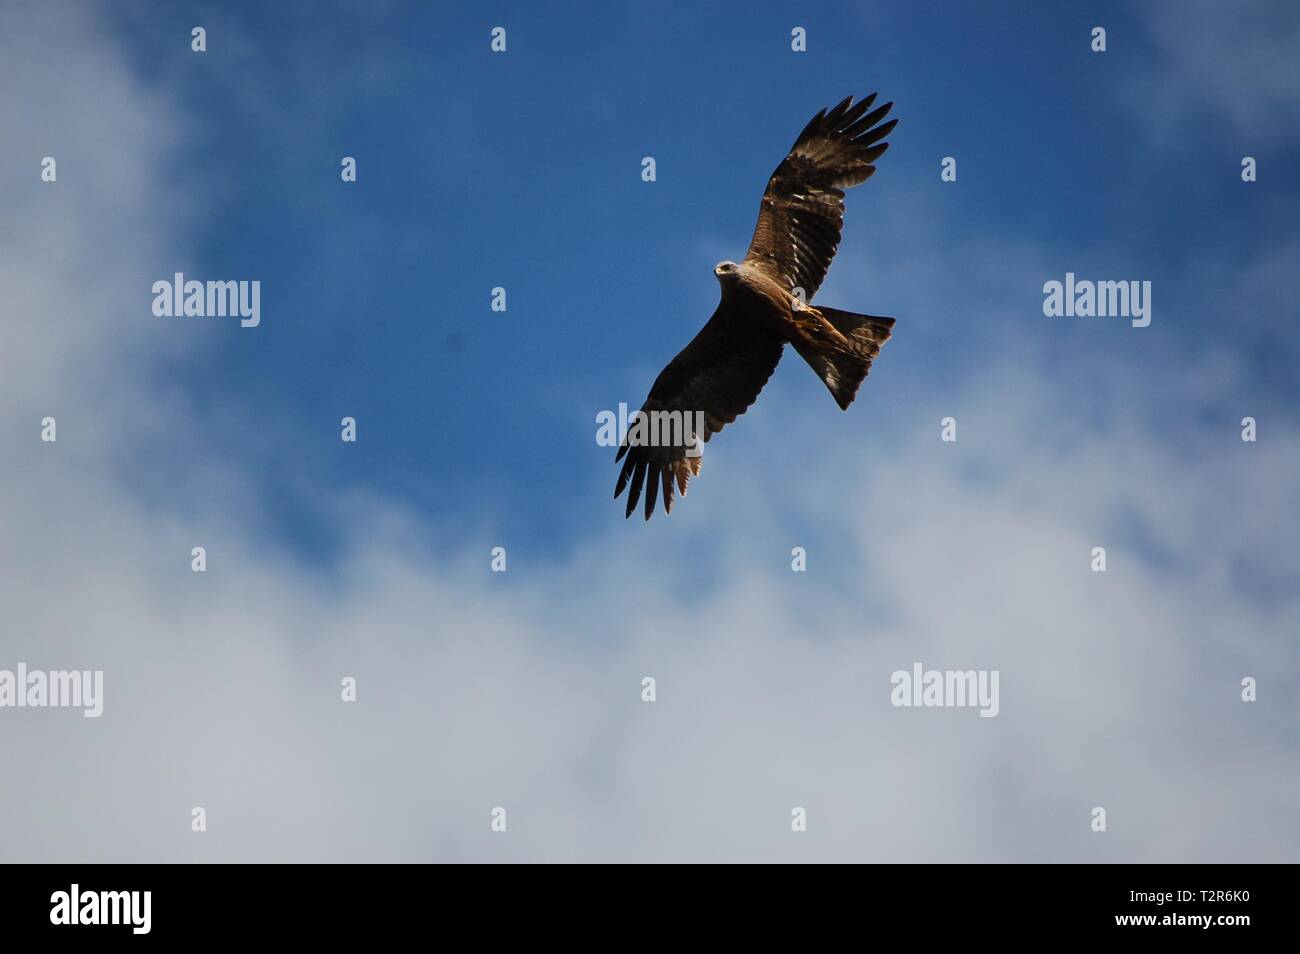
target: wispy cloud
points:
(1219, 70)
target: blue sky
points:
(477, 429)
(522, 170)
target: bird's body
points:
(763, 304)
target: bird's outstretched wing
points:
(803, 208)
(718, 375)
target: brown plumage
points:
(720, 373)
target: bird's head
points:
(726, 271)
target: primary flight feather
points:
(763, 307)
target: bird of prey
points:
(764, 306)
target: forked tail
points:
(842, 362)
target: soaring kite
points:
(764, 305)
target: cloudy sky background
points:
(476, 430)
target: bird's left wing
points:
(715, 379)
(802, 212)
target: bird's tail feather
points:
(843, 364)
(870, 330)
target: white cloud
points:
(1219, 71)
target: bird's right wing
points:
(802, 212)
(718, 375)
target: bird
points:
(765, 305)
